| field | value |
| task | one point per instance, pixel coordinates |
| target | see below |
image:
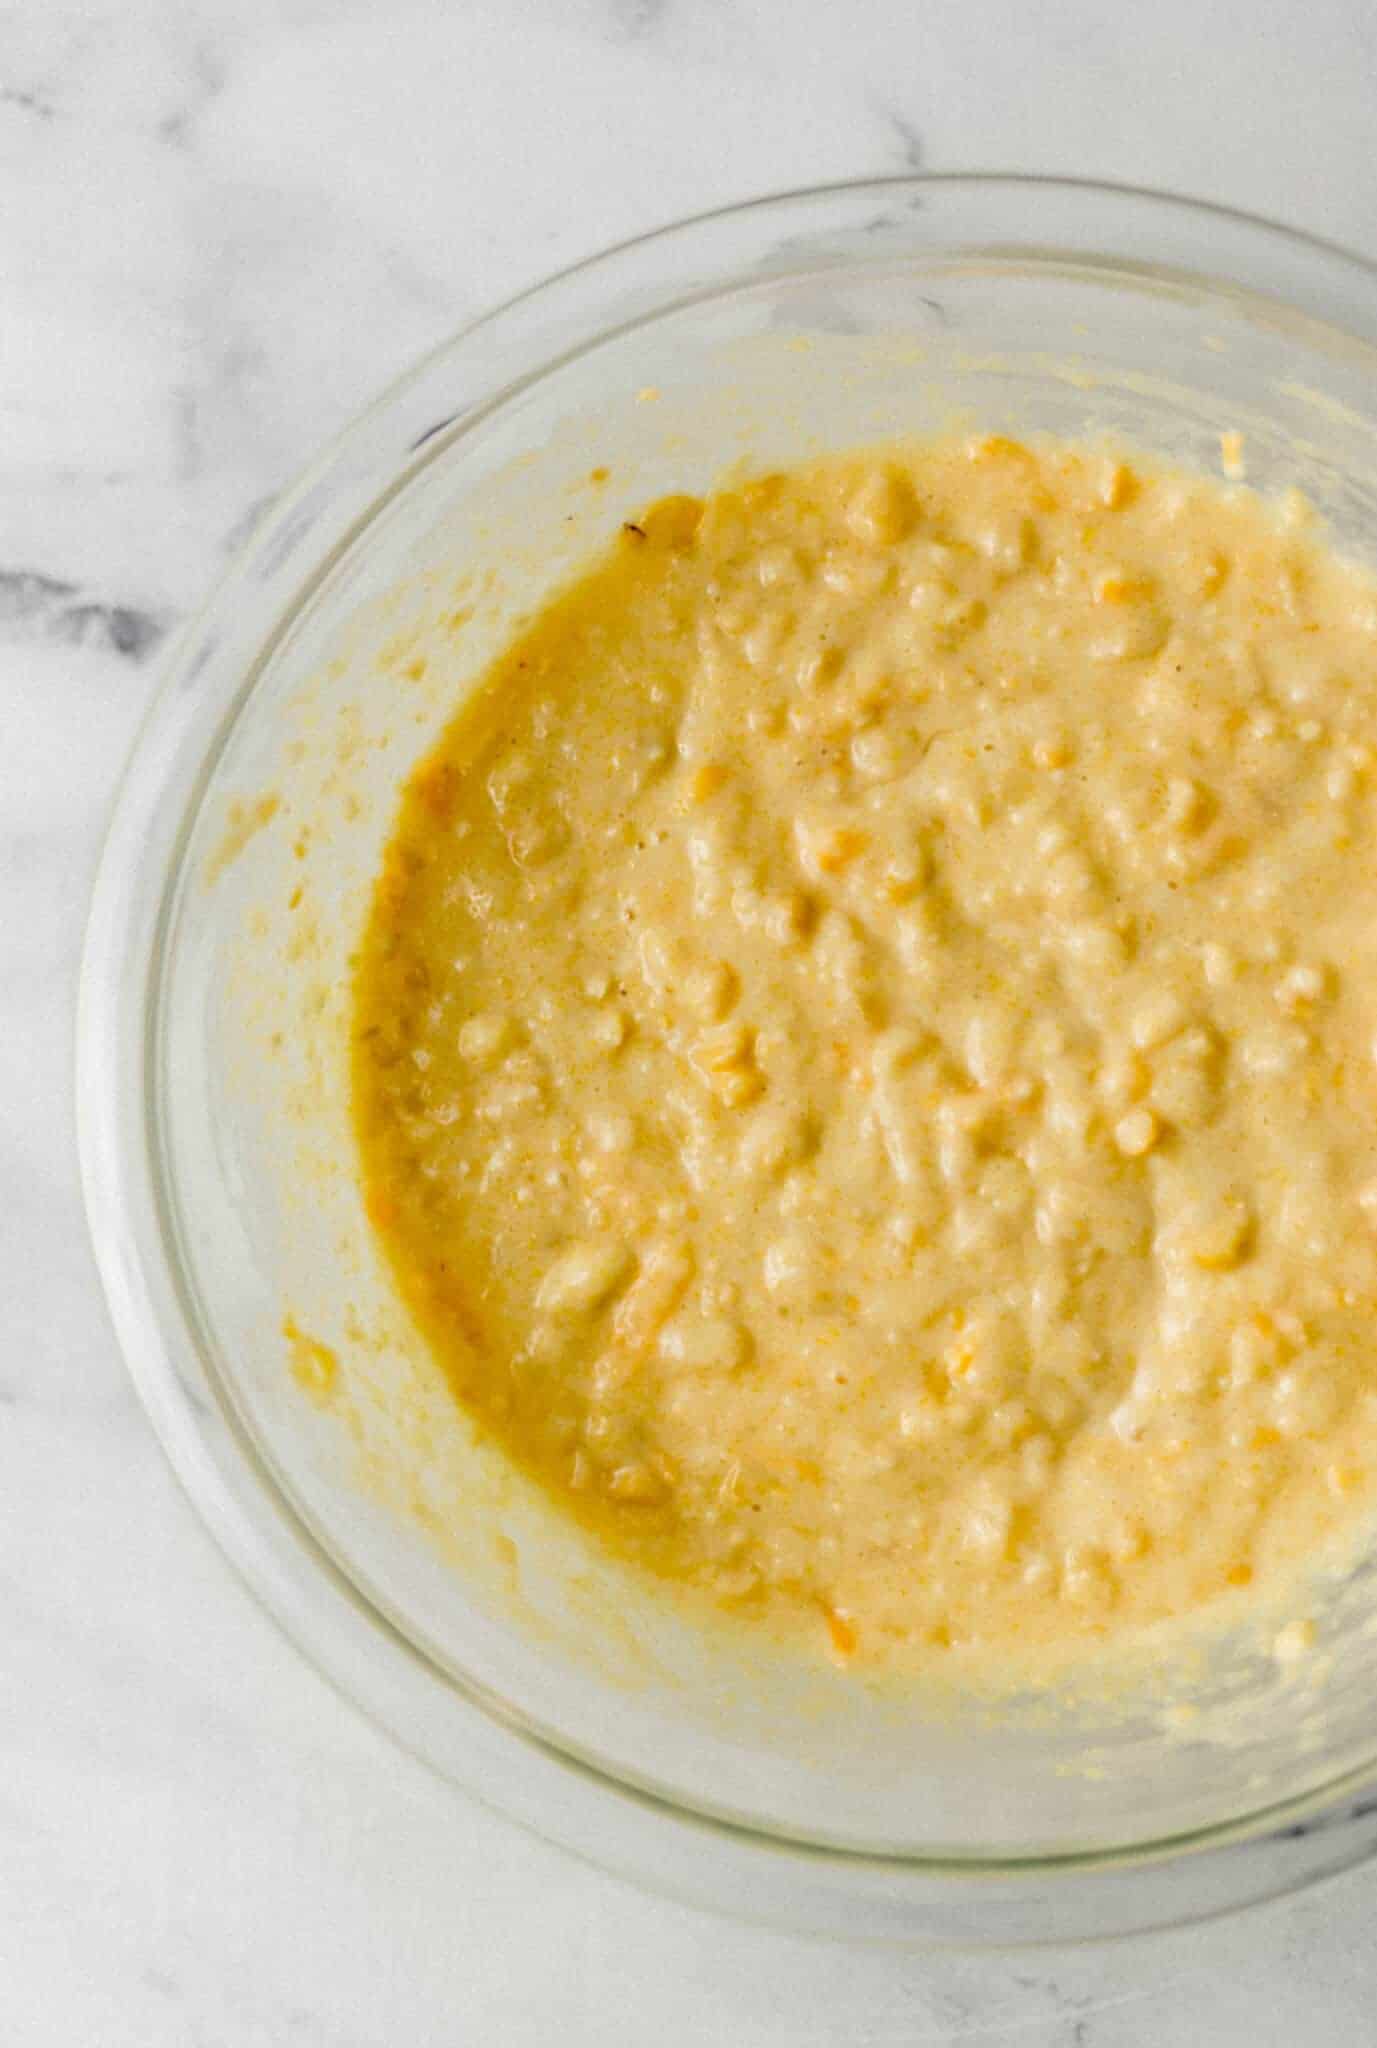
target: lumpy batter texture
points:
(864, 1059)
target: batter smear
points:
(864, 1045)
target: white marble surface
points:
(221, 227)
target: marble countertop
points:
(223, 224)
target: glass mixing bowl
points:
(492, 1639)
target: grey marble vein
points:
(53, 609)
(28, 101)
(913, 156)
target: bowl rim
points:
(117, 1094)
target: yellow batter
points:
(866, 1046)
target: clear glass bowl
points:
(396, 1550)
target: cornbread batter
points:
(865, 1045)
